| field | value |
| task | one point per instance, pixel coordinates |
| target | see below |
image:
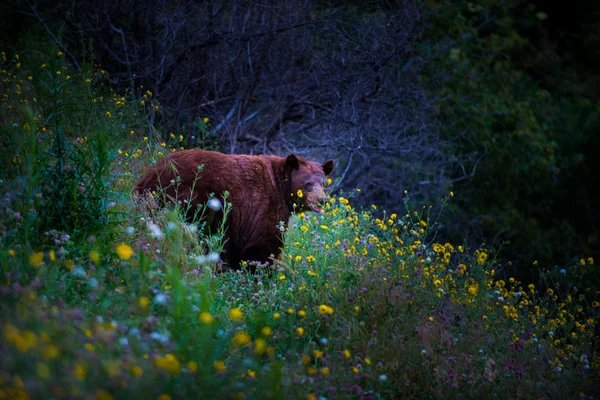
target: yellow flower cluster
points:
(169, 363)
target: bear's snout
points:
(316, 198)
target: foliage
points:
(524, 136)
(61, 131)
(357, 306)
(130, 301)
(331, 79)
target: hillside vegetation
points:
(105, 296)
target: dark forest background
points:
(494, 100)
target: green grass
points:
(362, 303)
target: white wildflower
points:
(155, 231)
(160, 298)
(214, 204)
(213, 257)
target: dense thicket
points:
(515, 95)
(495, 100)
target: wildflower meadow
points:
(104, 295)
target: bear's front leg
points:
(262, 251)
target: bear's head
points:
(309, 181)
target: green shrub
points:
(61, 133)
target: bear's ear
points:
(327, 167)
(291, 161)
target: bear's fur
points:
(263, 191)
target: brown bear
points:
(263, 192)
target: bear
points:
(264, 190)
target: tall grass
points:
(103, 297)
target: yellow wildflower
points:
(36, 259)
(482, 257)
(42, 370)
(192, 366)
(124, 251)
(79, 371)
(144, 302)
(260, 346)
(137, 371)
(94, 256)
(206, 318)
(219, 366)
(266, 331)
(325, 309)
(169, 363)
(236, 314)
(241, 338)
